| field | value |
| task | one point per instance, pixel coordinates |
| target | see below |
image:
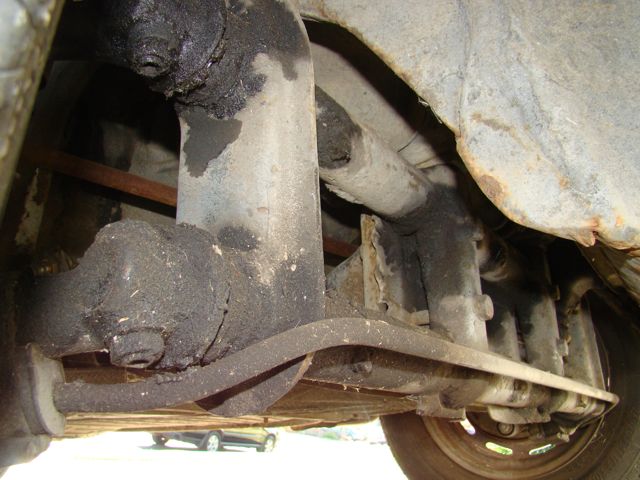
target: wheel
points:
(268, 445)
(160, 440)
(610, 448)
(212, 442)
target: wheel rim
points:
(269, 444)
(488, 454)
(213, 443)
(491, 455)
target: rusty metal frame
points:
(165, 389)
(94, 172)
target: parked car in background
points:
(259, 438)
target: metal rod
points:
(358, 166)
(338, 248)
(99, 174)
(457, 307)
(136, 185)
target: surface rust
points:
(307, 405)
(542, 100)
(99, 174)
(201, 382)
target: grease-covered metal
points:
(359, 167)
(151, 295)
(171, 43)
(243, 85)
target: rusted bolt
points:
(136, 349)
(153, 50)
(153, 58)
(151, 65)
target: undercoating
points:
(456, 304)
(359, 167)
(256, 189)
(198, 153)
(163, 281)
(170, 42)
(253, 28)
(257, 311)
(205, 59)
(201, 63)
(335, 131)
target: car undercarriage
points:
(232, 213)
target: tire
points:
(159, 440)
(212, 442)
(23, 57)
(268, 445)
(432, 448)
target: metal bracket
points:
(42, 375)
(518, 416)
(392, 284)
(432, 406)
(263, 356)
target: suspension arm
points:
(164, 390)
